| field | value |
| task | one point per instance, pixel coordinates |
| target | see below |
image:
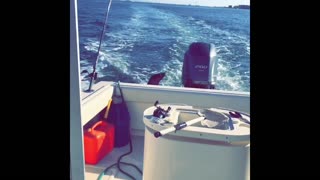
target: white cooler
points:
(195, 152)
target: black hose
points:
(119, 162)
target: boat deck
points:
(136, 157)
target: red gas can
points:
(98, 141)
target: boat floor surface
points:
(136, 158)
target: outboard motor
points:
(200, 66)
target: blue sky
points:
(202, 2)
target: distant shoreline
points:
(194, 5)
(240, 7)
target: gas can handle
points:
(95, 125)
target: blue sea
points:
(147, 38)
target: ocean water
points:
(142, 39)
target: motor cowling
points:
(200, 66)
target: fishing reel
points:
(160, 112)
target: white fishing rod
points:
(93, 74)
(207, 117)
(180, 125)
